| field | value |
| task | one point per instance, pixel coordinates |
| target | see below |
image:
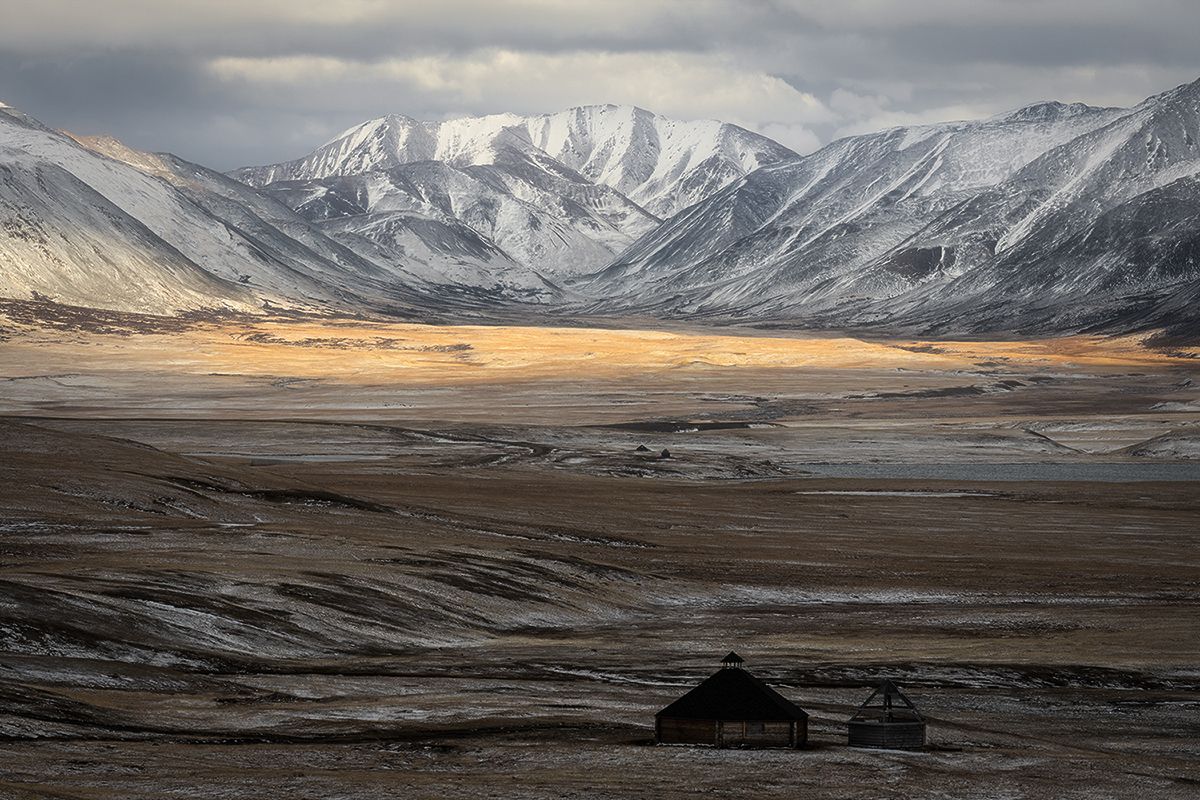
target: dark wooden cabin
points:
(732, 708)
(887, 720)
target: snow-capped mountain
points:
(90, 222)
(661, 164)
(561, 194)
(527, 220)
(83, 229)
(1054, 216)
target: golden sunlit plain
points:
(353, 351)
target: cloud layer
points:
(230, 82)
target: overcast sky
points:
(235, 82)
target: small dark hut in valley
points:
(732, 708)
(888, 719)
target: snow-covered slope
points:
(561, 194)
(662, 164)
(544, 223)
(87, 221)
(856, 195)
(1054, 216)
(80, 228)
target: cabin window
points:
(754, 727)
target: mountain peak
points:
(633, 112)
(660, 164)
(388, 122)
(1046, 111)
(1181, 91)
(605, 108)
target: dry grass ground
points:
(344, 559)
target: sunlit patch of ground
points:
(371, 352)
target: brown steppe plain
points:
(340, 558)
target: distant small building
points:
(665, 453)
(887, 720)
(732, 708)
(641, 448)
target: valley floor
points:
(349, 559)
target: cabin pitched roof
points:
(732, 693)
(887, 704)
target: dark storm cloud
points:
(230, 83)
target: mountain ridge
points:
(914, 226)
(596, 140)
(1053, 217)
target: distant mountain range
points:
(1052, 218)
(552, 196)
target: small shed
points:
(887, 720)
(732, 708)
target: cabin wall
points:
(729, 733)
(685, 731)
(752, 733)
(894, 736)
